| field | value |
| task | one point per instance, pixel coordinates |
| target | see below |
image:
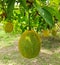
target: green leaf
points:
(10, 8)
(55, 2)
(53, 12)
(45, 14)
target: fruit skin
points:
(29, 44)
(8, 27)
(45, 33)
(54, 32)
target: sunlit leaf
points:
(45, 14)
(53, 12)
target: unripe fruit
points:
(29, 44)
(8, 27)
(45, 33)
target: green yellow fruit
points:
(29, 44)
(45, 33)
(8, 27)
(54, 32)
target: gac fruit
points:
(8, 27)
(29, 44)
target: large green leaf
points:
(45, 14)
(53, 12)
(10, 8)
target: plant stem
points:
(29, 21)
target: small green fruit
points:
(8, 27)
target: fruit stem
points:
(38, 28)
(29, 20)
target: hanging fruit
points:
(29, 44)
(54, 32)
(45, 33)
(8, 27)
